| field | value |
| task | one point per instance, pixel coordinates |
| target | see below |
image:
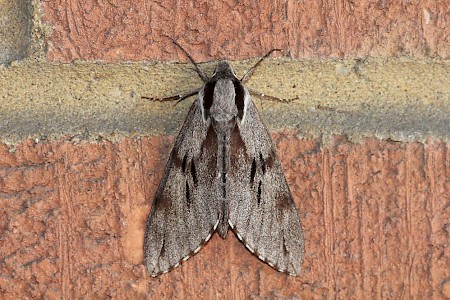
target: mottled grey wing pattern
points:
(184, 213)
(262, 212)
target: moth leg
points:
(179, 98)
(200, 72)
(252, 69)
(271, 98)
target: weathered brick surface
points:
(375, 216)
(132, 30)
(15, 30)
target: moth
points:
(223, 172)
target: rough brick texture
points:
(375, 215)
(132, 30)
(15, 30)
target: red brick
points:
(133, 30)
(375, 217)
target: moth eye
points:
(263, 163)
(253, 171)
(239, 98)
(194, 173)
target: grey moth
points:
(223, 172)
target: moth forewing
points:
(262, 210)
(223, 171)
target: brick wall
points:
(364, 147)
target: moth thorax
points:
(223, 108)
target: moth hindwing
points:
(223, 171)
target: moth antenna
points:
(250, 72)
(179, 98)
(271, 98)
(200, 72)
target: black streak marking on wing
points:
(239, 99)
(259, 192)
(263, 163)
(188, 194)
(163, 248)
(283, 201)
(184, 163)
(253, 171)
(162, 202)
(194, 173)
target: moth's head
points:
(223, 97)
(224, 70)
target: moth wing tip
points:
(292, 273)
